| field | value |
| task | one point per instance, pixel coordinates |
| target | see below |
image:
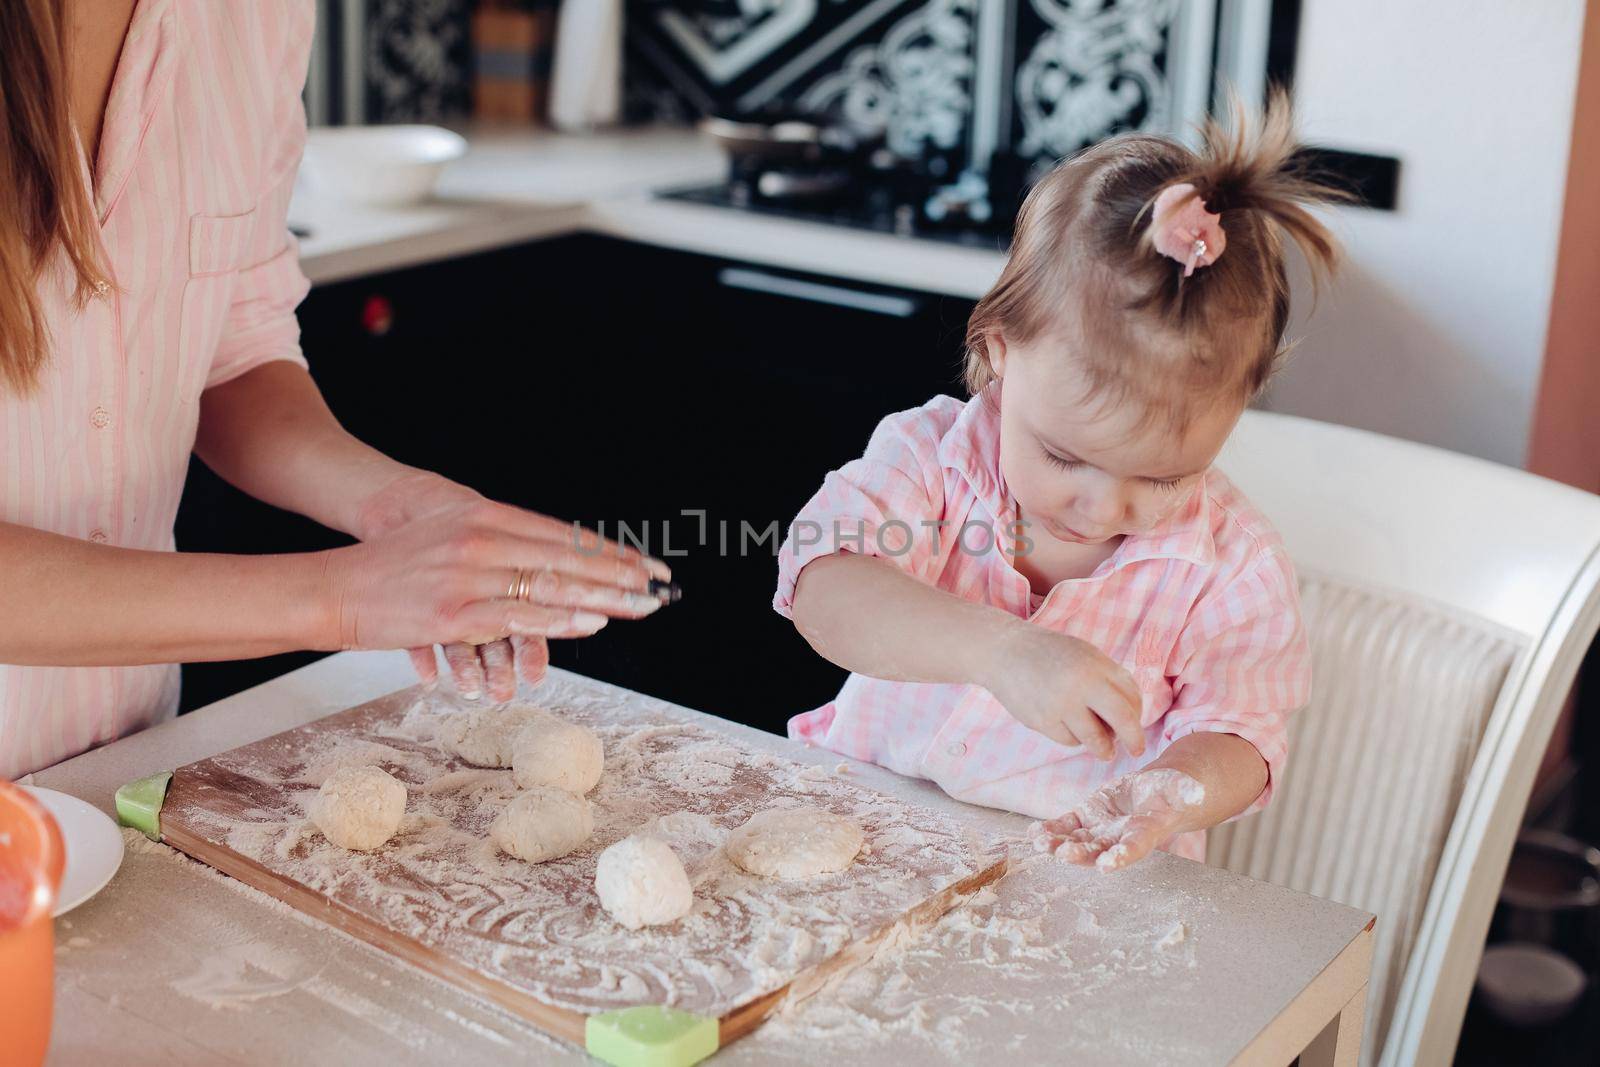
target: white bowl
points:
(379, 165)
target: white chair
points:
(1449, 602)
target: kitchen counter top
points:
(1170, 961)
(521, 185)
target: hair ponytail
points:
(45, 206)
(1091, 256)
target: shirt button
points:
(957, 749)
(100, 418)
(98, 537)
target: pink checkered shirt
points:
(1203, 610)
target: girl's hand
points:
(1067, 690)
(470, 550)
(1120, 823)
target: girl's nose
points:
(1102, 509)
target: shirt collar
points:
(971, 448)
(144, 70)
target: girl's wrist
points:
(994, 647)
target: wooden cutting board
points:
(533, 937)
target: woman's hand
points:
(1120, 823)
(1065, 689)
(439, 563)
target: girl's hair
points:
(45, 207)
(1083, 267)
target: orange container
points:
(31, 859)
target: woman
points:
(147, 294)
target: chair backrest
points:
(1449, 602)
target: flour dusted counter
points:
(1169, 962)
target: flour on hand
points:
(359, 807)
(641, 882)
(557, 753)
(795, 843)
(543, 823)
(487, 737)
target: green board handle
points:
(650, 1036)
(139, 804)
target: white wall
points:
(1435, 329)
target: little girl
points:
(1050, 600)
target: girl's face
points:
(1085, 473)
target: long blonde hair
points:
(1082, 263)
(44, 207)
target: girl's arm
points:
(1201, 780)
(868, 616)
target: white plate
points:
(94, 846)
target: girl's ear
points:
(995, 348)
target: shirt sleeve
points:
(1245, 664)
(886, 504)
(261, 324)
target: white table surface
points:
(175, 964)
(517, 185)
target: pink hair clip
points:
(1182, 228)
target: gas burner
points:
(801, 169)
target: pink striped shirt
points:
(202, 137)
(1203, 610)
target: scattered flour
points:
(540, 928)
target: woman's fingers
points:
(533, 658)
(466, 668)
(505, 554)
(568, 537)
(499, 671)
(559, 589)
(427, 667)
(484, 621)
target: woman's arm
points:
(440, 579)
(868, 616)
(270, 433)
(66, 602)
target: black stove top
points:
(888, 204)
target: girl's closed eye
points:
(1165, 485)
(1062, 462)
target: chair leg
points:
(1339, 1044)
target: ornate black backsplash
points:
(1087, 70)
(1042, 77)
(418, 60)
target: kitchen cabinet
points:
(621, 386)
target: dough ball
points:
(487, 737)
(555, 752)
(641, 882)
(359, 807)
(543, 824)
(795, 843)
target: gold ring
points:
(521, 585)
